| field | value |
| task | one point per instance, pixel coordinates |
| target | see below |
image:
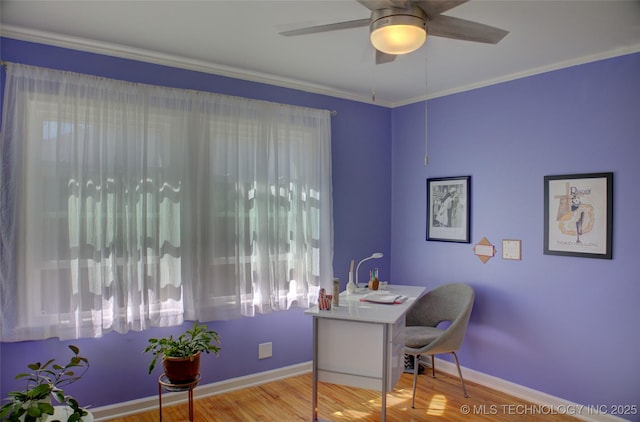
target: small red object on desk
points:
(324, 300)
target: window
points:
(137, 205)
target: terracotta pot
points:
(181, 370)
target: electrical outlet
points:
(265, 350)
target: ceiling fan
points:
(401, 26)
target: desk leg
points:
(385, 371)
(314, 387)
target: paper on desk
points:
(383, 298)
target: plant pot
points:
(43, 417)
(181, 370)
(62, 413)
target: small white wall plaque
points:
(511, 249)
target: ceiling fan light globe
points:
(398, 34)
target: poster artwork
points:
(578, 215)
(448, 209)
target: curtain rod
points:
(6, 64)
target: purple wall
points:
(361, 165)
(566, 326)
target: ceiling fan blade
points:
(326, 28)
(384, 57)
(434, 7)
(462, 29)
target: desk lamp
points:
(374, 256)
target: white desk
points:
(360, 344)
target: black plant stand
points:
(164, 383)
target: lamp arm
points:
(358, 267)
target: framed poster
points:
(448, 209)
(578, 214)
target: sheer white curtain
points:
(126, 205)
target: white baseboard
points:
(546, 403)
(119, 410)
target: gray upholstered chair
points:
(451, 303)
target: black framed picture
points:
(449, 209)
(578, 215)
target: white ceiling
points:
(240, 38)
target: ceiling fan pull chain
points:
(426, 100)
(373, 77)
(426, 150)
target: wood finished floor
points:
(439, 399)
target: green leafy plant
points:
(197, 339)
(44, 382)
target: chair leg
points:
(433, 366)
(416, 369)
(460, 374)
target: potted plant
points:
(181, 355)
(33, 404)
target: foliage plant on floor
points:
(33, 404)
(187, 346)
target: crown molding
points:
(154, 57)
(148, 56)
(622, 51)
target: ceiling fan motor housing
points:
(397, 15)
(383, 22)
